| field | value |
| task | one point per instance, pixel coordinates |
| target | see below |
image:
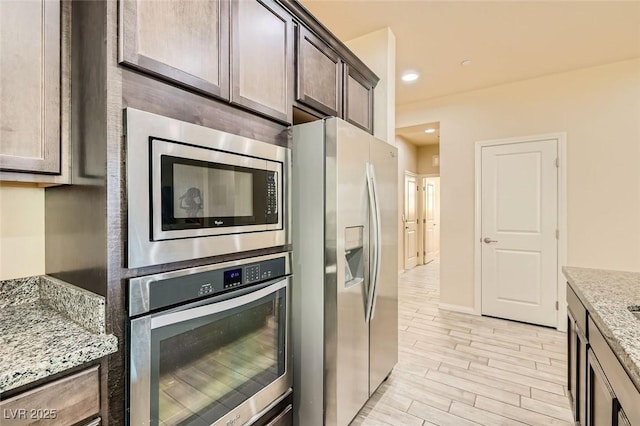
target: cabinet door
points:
(602, 405)
(66, 401)
(573, 357)
(30, 76)
(262, 58)
(577, 369)
(319, 72)
(183, 41)
(358, 102)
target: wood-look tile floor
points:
(457, 369)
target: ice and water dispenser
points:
(354, 253)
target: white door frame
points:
(562, 218)
(408, 174)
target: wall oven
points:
(196, 192)
(209, 345)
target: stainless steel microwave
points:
(195, 192)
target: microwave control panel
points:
(171, 291)
(271, 209)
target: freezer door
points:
(383, 334)
(347, 239)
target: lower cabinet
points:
(577, 372)
(602, 402)
(68, 401)
(601, 391)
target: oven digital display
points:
(232, 277)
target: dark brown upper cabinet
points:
(183, 41)
(319, 74)
(35, 90)
(358, 99)
(262, 58)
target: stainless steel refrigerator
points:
(345, 289)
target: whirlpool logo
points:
(218, 222)
(233, 421)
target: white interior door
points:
(432, 218)
(410, 222)
(519, 198)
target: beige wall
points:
(378, 51)
(407, 162)
(599, 109)
(21, 232)
(425, 156)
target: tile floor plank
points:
(517, 413)
(457, 369)
(560, 413)
(482, 417)
(438, 417)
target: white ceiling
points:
(506, 41)
(417, 136)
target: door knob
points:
(488, 240)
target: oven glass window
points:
(202, 368)
(200, 194)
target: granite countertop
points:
(607, 295)
(48, 326)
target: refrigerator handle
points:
(377, 243)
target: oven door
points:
(214, 362)
(199, 192)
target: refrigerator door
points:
(383, 334)
(347, 241)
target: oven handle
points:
(216, 307)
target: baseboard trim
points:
(458, 308)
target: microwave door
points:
(199, 192)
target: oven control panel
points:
(192, 286)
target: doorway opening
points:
(419, 194)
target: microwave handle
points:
(216, 307)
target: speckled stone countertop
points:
(46, 327)
(607, 296)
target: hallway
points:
(458, 369)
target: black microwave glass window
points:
(201, 194)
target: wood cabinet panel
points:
(319, 74)
(577, 370)
(358, 103)
(63, 402)
(602, 404)
(186, 41)
(577, 356)
(262, 58)
(626, 392)
(30, 83)
(577, 309)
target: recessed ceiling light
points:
(430, 130)
(466, 62)
(410, 76)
